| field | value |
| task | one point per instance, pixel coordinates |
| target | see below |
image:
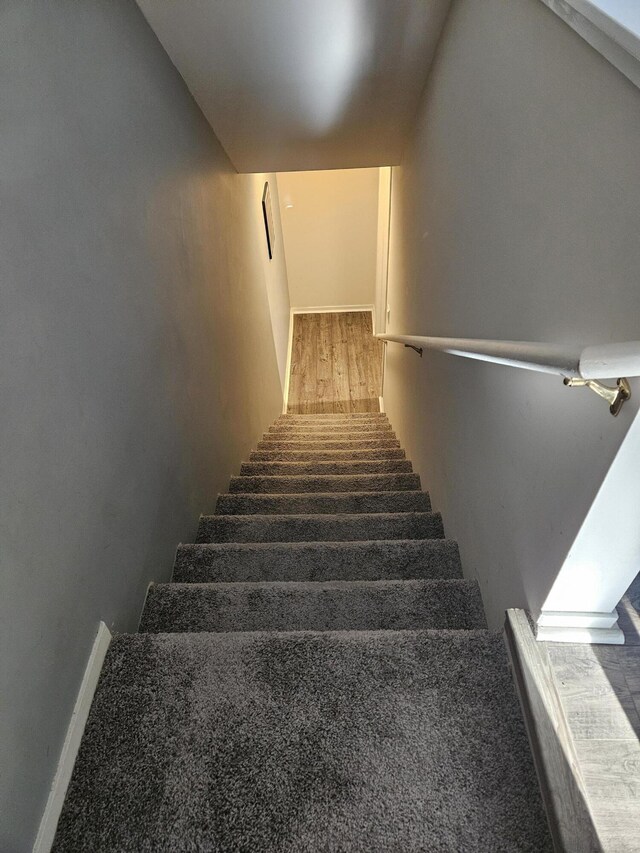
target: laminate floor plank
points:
(340, 363)
(593, 688)
(586, 703)
(599, 691)
(295, 373)
(357, 352)
(611, 771)
(336, 364)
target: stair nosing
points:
(339, 583)
(302, 495)
(323, 515)
(298, 477)
(318, 543)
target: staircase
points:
(317, 677)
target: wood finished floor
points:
(599, 690)
(336, 364)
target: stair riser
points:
(373, 414)
(356, 417)
(292, 469)
(333, 435)
(319, 528)
(328, 425)
(366, 444)
(324, 455)
(330, 483)
(325, 429)
(331, 503)
(337, 606)
(318, 561)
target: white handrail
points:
(573, 361)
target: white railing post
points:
(603, 559)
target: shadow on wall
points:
(511, 220)
(133, 276)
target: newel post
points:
(603, 560)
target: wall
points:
(275, 271)
(330, 236)
(138, 360)
(515, 215)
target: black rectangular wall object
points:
(267, 212)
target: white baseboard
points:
(55, 801)
(579, 627)
(332, 309)
(381, 401)
(604, 636)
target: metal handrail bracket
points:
(579, 365)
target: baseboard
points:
(55, 801)
(562, 788)
(332, 309)
(381, 401)
(579, 627)
(590, 636)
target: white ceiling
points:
(303, 84)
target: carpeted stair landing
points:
(317, 677)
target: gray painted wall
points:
(137, 358)
(516, 215)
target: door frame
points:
(382, 265)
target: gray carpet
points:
(329, 502)
(399, 559)
(304, 605)
(326, 483)
(333, 444)
(328, 428)
(326, 466)
(334, 417)
(354, 741)
(323, 527)
(344, 421)
(322, 455)
(317, 677)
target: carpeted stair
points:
(317, 677)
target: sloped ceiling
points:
(303, 84)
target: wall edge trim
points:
(71, 745)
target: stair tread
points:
(187, 732)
